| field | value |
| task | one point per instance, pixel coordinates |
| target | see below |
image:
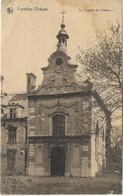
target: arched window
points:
(58, 125)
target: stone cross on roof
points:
(63, 13)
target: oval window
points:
(59, 61)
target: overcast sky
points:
(29, 37)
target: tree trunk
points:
(108, 140)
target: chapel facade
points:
(49, 131)
(60, 135)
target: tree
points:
(116, 149)
(103, 61)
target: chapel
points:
(51, 130)
(61, 140)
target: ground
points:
(61, 185)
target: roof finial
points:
(62, 35)
(63, 12)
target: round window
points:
(59, 61)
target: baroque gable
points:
(58, 75)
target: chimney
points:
(31, 78)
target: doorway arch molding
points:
(61, 112)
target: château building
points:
(50, 131)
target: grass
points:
(60, 185)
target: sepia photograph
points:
(61, 97)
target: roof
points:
(18, 97)
(5, 99)
(100, 102)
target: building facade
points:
(56, 136)
(14, 135)
(60, 135)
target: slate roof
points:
(19, 99)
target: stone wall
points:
(77, 158)
(36, 158)
(77, 112)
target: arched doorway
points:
(57, 164)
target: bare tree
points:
(103, 61)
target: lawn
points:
(60, 185)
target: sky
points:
(29, 33)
